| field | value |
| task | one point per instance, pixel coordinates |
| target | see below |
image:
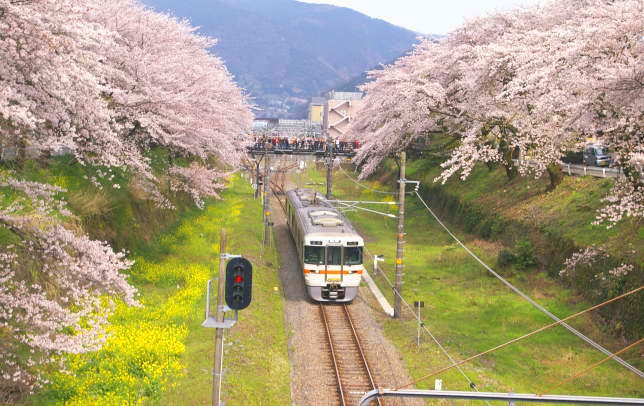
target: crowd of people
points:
(308, 144)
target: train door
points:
(333, 264)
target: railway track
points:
(352, 372)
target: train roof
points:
(318, 216)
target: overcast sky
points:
(427, 16)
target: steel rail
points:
(356, 339)
(333, 357)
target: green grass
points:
(159, 353)
(469, 311)
(568, 211)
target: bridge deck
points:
(282, 151)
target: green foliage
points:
(524, 254)
(558, 223)
(505, 258)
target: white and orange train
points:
(329, 248)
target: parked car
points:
(597, 155)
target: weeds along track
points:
(352, 372)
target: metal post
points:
(375, 265)
(488, 396)
(329, 168)
(400, 246)
(257, 191)
(418, 304)
(266, 208)
(219, 332)
(418, 333)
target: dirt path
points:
(313, 379)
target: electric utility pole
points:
(219, 335)
(400, 246)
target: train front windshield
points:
(315, 255)
(352, 255)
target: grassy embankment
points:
(470, 311)
(160, 354)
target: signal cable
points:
(528, 298)
(514, 340)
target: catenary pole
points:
(266, 207)
(400, 245)
(257, 163)
(329, 168)
(219, 334)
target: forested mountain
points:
(284, 51)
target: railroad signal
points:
(239, 283)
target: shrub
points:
(505, 258)
(525, 255)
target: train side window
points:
(334, 255)
(313, 255)
(352, 255)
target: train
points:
(329, 249)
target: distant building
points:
(340, 109)
(316, 110)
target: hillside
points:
(284, 52)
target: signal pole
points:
(219, 335)
(400, 246)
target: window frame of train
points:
(324, 251)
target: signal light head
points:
(239, 280)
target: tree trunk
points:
(510, 168)
(556, 176)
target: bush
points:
(524, 254)
(505, 258)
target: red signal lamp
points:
(238, 279)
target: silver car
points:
(597, 155)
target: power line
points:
(596, 364)
(528, 298)
(433, 337)
(348, 175)
(514, 340)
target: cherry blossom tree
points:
(51, 82)
(107, 81)
(197, 181)
(169, 89)
(56, 286)
(535, 81)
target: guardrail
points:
(583, 170)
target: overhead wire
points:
(514, 340)
(528, 298)
(593, 366)
(384, 192)
(471, 383)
